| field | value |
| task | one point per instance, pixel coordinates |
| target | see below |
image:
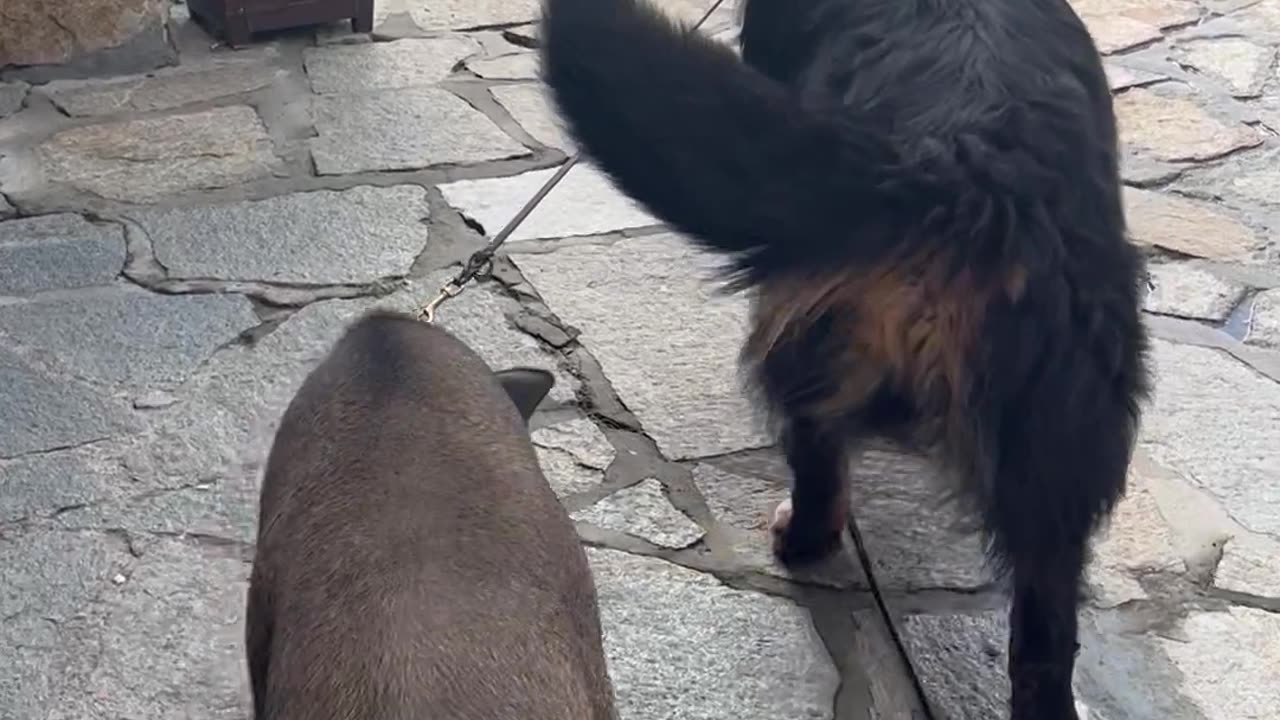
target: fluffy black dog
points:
(924, 197)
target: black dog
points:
(924, 196)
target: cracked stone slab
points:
(573, 455)
(62, 251)
(1186, 226)
(1259, 185)
(742, 494)
(1136, 540)
(532, 108)
(585, 203)
(1185, 290)
(1228, 662)
(40, 412)
(12, 94)
(680, 644)
(1121, 24)
(1121, 77)
(512, 66)
(217, 77)
(644, 511)
(675, 363)
(6, 210)
(960, 660)
(172, 633)
(1238, 64)
(411, 62)
(1264, 324)
(325, 237)
(1248, 565)
(143, 160)
(44, 484)
(127, 336)
(1217, 421)
(1176, 127)
(437, 15)
(403, 129)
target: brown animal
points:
(412, 561)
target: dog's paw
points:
(798, 544)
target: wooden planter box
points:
(236, 20)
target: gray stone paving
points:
(188, 242)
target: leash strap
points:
(481, 261)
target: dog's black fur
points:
(924, 196)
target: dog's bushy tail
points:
(713, 147)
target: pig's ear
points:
(527, 387)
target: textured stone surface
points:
(1249, 566)
(1218, 422)
(687, 394)
(643, 511)
(1136, 541)
(11, 96)
(1237, 63)
(573, 455)
(742, 495)
(1264, 326)
(1121, 24)
(127, 336)
(960, 660)
(1185, 290)
(1176, 128)
(172, 633)
(1261, 186)
(532, 108)
(43, 32)
(58, 251)
(1120, 77)
(1186, 226)
(1228, 662)
(385, 65)
(40, 412)
(681, 645)
(324, 237)
(512, 66)
(465, 14)
(373, 131)
(47, 483)
(584, 203)
(218, 77)
(6, 210)
(143, 160)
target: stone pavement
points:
(186, 244)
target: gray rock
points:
(468, 14)
(1121, 77)
(324, 237)
(172, 633)
(742, 496)
(1238, 64)
(40, 413)
(43, 484)
(1135, 542)
(1249, 566)
(683, 382)
(50, 252)
(1264, 325)
(385, 65)
(226, 509)
(682, 645)
(55, 575)
(6, 210)
(403, 129)
(144, 160)
(1178, 126)
(574, 455)
(512, 66)
(643, 511)
(960, 660)
(1217, 422)
(128, 336)
(584, 203)
(11, 96)
(217, 77)
(530, 106)
(1186, 290)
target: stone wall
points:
(46, 39)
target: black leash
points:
(481, 261)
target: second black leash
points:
(481, 261)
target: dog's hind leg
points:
(1059, 471)
(807, 527)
